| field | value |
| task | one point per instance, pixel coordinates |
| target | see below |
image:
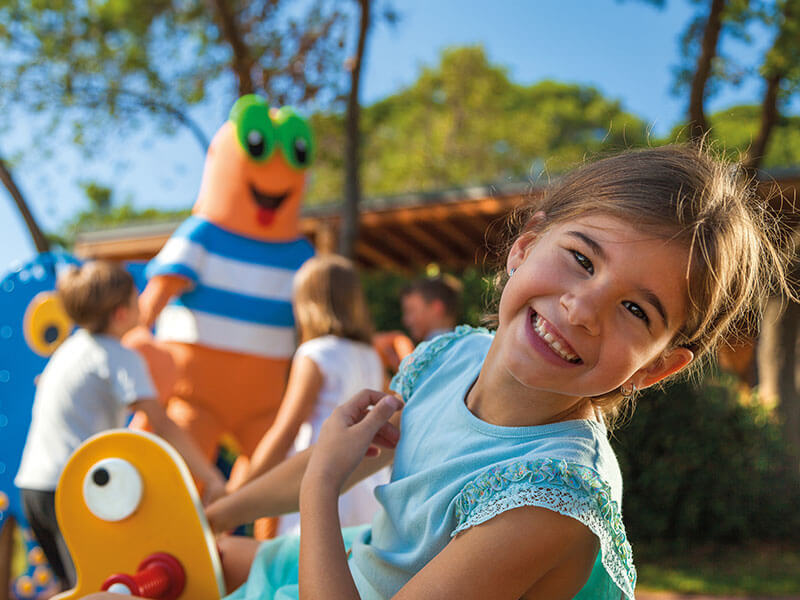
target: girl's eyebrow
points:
(596, 248)
(649, 295)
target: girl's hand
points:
(356, 429)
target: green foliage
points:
(103, 214)
(90, 65)
(736, 127)
(733, 130)
(703, 464)
(99, 195)
(465, 122)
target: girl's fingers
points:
(381, 412)
(358, 405)
(387, 436)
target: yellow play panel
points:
(126, 498)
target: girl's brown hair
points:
(738, 250)
(329, 300)
(92, 292)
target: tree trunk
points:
(778, 368)
(769, 117)
(779, 371)
(39, 240)
(698, 126)
(230, 32)
(352, 187)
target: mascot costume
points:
(219, 292)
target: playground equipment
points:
(32, 325)
(133, 522)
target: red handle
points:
(160, 576)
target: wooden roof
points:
(454, 228)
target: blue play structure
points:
(32, 325)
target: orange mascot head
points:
(255, 171)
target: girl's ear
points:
(520, 247)
(518, 251)
(668, 363)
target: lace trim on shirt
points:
(415, 363)
(567, 488)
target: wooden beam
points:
(440, 251)
(379, 259)
(403, 245)
(455, 236)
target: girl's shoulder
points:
(331, 345)
(580, 489)
(332, 353)
(430, 353)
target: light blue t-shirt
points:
(452, 471)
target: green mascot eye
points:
(254, 128)
(294, 136)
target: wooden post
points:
(6, 556)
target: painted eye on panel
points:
(112, 489)
(45, 324)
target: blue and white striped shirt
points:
(240, 299)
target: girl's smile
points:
(546, 338)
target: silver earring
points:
(628, 393)
(511, 271)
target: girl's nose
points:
(581, 311)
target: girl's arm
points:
(276, 492)
(302, 390)
(525, 551)
(353, 430)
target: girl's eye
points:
(583, 261)
(636, 311)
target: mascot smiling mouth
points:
(268, 204)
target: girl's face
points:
(592, 305)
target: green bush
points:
(702, 464)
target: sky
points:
(628, 49)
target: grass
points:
(764, 570)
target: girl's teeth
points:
(538, 326)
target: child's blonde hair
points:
(329, 300)
(738, 252)
(92, 292)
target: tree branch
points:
(769, 117)
(698, 126)
(39, 240)
(241, 56)
(773, 77)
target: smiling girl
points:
(626, 272)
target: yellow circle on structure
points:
(45, 324)
(36, 556)
(41, 575)
(4, 503)
(24, 587)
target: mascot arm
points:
(160, 290)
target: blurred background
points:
(433, 120)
